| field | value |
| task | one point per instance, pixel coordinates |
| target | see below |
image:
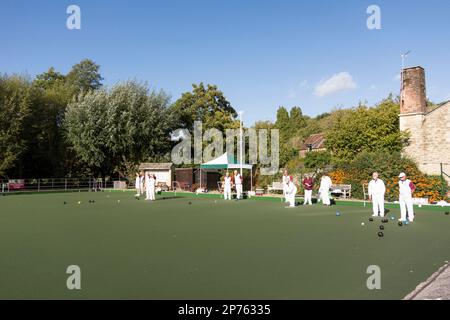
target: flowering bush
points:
(359, 172)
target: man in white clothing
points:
(147, 185)
(377, 189)
(152, 185)
(291, 191)
(325, 185)
(406, 188)
(238, 184)
(227, 187)
(285, 181)
(137, 185)
(142, 185)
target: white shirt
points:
(238, 179)
(151, 182)
(291, 189)
(227, 181)
(138, 182)
(286, 179)
(405, 188)
(376, 187)
(325, 183)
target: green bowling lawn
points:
(209, 249)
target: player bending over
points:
(325, 185)
(291, 191)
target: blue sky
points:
(261, 54)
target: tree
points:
(282, 123)
(317, 161)
(113, 131)
(296, 120)
(49, 79)
(85, 76)
(16, 99)
(208, 105)
(289, 126)
(361, 129)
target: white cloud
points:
(397, 77)
(373, 87)
(339, 82)
(293, 93)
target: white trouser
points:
(151, 195)
(325, 197)
(239, 190)
(378, 204)
(227, 193)
(291, 199)
(308, 197)
(406, 203)
(285, 195)
(138, 191)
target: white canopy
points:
(225, 162)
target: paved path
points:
(437, 287)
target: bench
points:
(259, 192)
(276, 186)
(345, 190)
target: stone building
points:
(314, 143)
(429, 128)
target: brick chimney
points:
(413, 95)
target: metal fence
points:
(55, 184)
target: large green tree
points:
(290, 126)
(353, 131)
(85, 76)
(113, 131)
(16, 101)
(208, 105)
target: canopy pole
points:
(251, 179)
(200, 177)
(240, 140)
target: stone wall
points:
(429, 143)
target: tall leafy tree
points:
(85, 76)
(364, 129)
(282, 123)
(16, 99)
(296, 120)
(113, 131)
(206, 104)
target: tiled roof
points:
(155, 166)
(317, 141)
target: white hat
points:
(401, 175)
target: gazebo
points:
(228, 162)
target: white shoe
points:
(374, 215)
